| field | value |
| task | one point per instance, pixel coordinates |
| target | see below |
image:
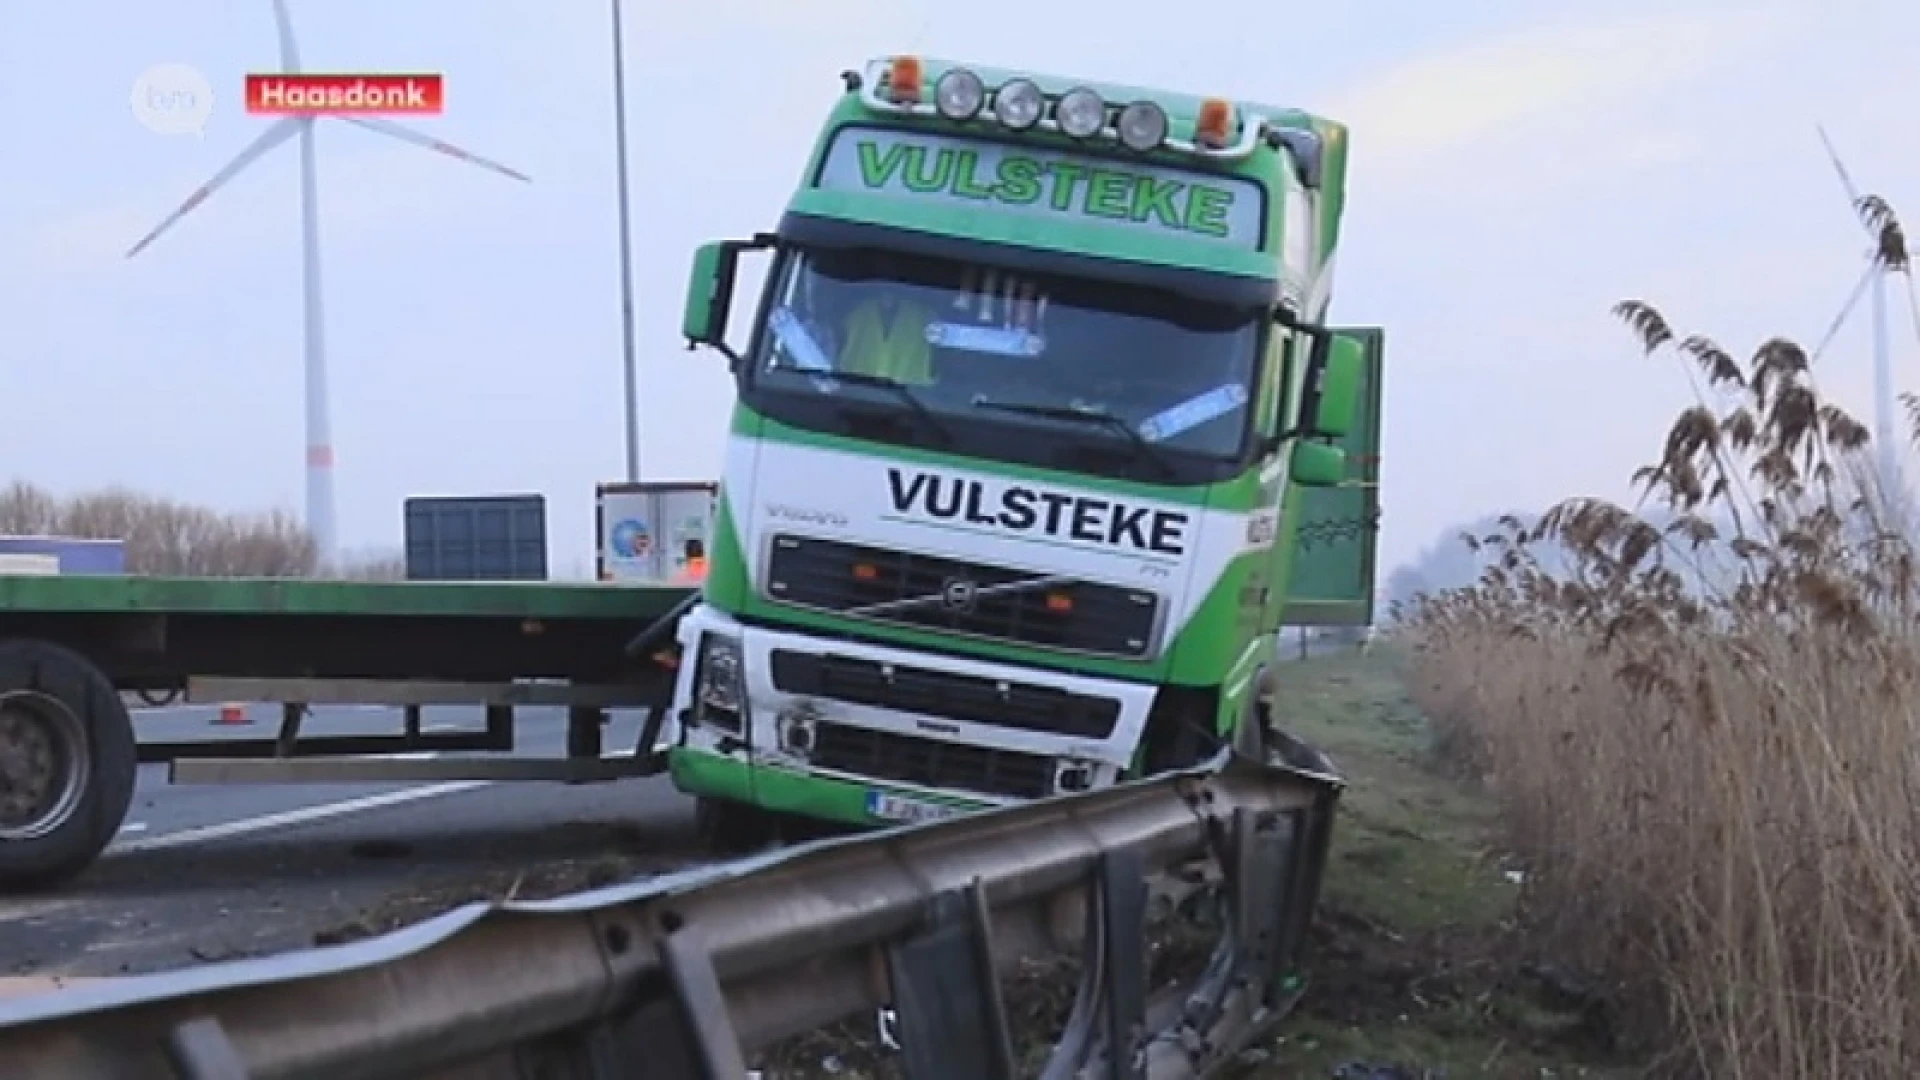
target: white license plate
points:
(895, 808)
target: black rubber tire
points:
(1250, 739)
(157, 699)
(733, 828)
(1267, 742)
(72, 845)
(1250, 734)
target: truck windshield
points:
(974, 344)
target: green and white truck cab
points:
(1037, 389)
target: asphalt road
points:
(203, 873)
(165, 814)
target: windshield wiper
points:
(1095, 416)
(879, 382)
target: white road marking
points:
(34, 907)
(207, 706)
(304, 815)
(27, 908)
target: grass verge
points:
(1416, 966)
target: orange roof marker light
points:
(905, 80)
(1214, 126)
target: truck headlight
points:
(720, 682)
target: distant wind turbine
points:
(1881, 262)
(320, 514)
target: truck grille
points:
(1022, 706)
(953, 596)
(907, 759)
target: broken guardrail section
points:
(686, 976)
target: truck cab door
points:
(1260, 589)
(1335, 531)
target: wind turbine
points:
(320, 517)
(1883, 259)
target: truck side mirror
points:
(1316, 464)
(710, 290)
(709, 294)
(1335, 371)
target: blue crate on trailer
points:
(77, 555)
(477, 538)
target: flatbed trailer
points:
(71, 647)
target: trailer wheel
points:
(67, 763)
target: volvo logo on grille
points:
(958, 594)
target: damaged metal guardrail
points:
(688, 975)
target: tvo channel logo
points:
(173, 99)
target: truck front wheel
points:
(67, 763)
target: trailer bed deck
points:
(295, 596)
(155, 633)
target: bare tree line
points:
(165, 537)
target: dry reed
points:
(1705, 734)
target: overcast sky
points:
(1518, 166)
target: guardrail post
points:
(679, 1027)
(703, 1005)
(1122, 882)
(1272, 864)
(1110, 1011)
(1310, 866)
(946, 997)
